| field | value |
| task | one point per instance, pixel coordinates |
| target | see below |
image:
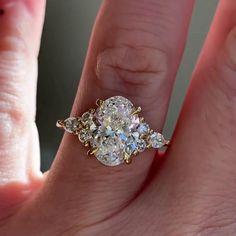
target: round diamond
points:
(143, 128)
(92, 126)
(141, 144)
(84, 135)
(156, 140)
(71, 125)
(135, 144)
(86, 118)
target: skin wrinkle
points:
(16, 113)
(142, 11)
(12, 63)
(131, 39)
(205, 214)
(109, 65)
(135, 59)
(227, 93)
(134, 17)
(112, 65)
(217, 90)
(16, 29)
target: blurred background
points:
(64, 43)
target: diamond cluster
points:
(114, 131)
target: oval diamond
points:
(115, 124)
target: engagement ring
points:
(114, 131)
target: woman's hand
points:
(135, 51)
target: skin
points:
(135, 51)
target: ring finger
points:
(129, 56)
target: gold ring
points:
(114, 131)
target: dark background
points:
(64, 43)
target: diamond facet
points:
(71, 124)
(157, 140)
(86, 118)
(143, 128)
(114, 131)
(84, 135)
(114, 123)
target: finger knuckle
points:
(132, 60)
(13, 120)
(132, 70)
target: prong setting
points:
(127, 158)
(136, 110)
(60, 124)
(91, 152)
(114, 132)
(99, 102)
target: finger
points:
(199, 174)
(135, 51)
(20, 31)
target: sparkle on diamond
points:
(115, 132)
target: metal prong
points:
(167, 142)
(141, 119)
(86, 144)
(99, 102)
(127, 158)
(92, 111)
(136, 153)
(143, 136)
(92, 151)
(136, 110)
(60, 124)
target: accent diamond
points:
(71, 125)
(157, 140)
(84, 135)
(143, 128)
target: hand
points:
(135, 51)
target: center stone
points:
(115, 128)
